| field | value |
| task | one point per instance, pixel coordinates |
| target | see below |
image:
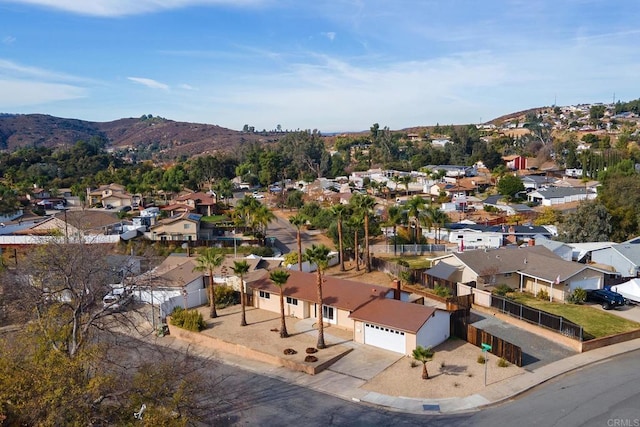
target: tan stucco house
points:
(369, 311)
(531, 269)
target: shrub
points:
(225, 296)
(262, 251)
(542, 294)
(413, 363)
(502, 290)
(403, 263)
(480, 359)
(441, 291)
(190, 320)
(578, 296)
(502, 362)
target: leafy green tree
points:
(396, 216)
(319, 255)
(509, 185)
(589, 223)
(280, 278)
(295, 199)
(208, 260)
(240, 268)
(548, 216)
(424, 355)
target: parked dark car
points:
(606, 297)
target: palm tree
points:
(405, 180)
(339, 211)
(364, 204)
(279, 278)
(240, 268)
(356, 222)
(262, 216)
(396, 180)
(414, 206)
(244, 212)
(319, 255)
(207, 261)
(439, 219)
(395, 216)
(298, 221)
(423, 355)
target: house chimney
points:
(396, 289)
(532, 242)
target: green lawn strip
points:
(595, 322)
(215, 218)
(413, 261)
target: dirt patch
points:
(453, 372)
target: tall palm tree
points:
(279, 278)
(396, 179)
(422, 354)
(339, 211)
(356, 222)
(298, 221)
(208, 260)
(240, 268)
(414, 206)
(396, 216)
(364, 204)
(440, 220)
(319, 255)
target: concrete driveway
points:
(629, 312)
(365, 362)
(536, 350)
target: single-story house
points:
(558, 195)
(368, 310)
(623, 257)
(171, 284)
(531, 268)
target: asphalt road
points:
(604, 394)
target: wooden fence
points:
(499, 347)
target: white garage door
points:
(387, 338)
(590, 283)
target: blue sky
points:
(332, 65)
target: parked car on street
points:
(607, 298)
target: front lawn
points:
(595, 322)
(415, 262)
(215, 218)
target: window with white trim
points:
(265, 295)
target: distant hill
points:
(156, 137)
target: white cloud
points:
(19, 93)
(111, 8)
(8, 40)
(186, 86)
(150, 83)
(330, 35)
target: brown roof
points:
(340, 293)
(199, 197)
(177, 206)
(394, 314)
(88, 219)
